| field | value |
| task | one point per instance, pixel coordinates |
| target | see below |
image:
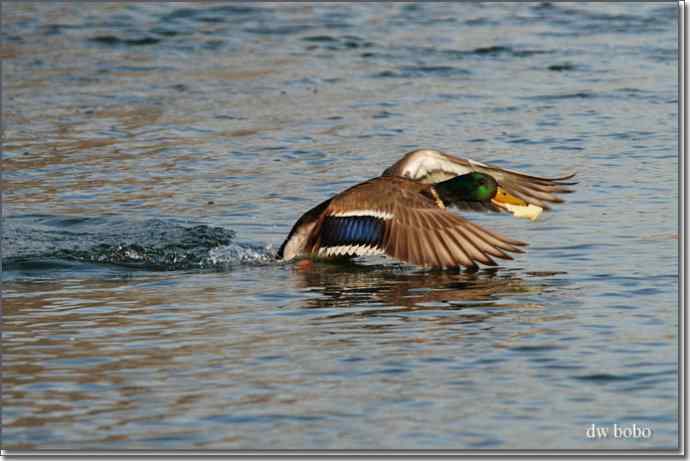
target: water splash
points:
(149, 244)
(229, 255)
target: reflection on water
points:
(190, 137)
(259, 365)
(347, 285)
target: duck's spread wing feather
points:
(434, 237)
(405, 225)
(432, 166)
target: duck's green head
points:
(476, 187)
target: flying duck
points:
(404, 213)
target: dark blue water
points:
(155, 156)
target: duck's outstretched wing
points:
(516, 189)
(435, 237)
(382, 217)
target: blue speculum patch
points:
(351, 230)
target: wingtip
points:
(519, 243)
(471, 268)
(566, 176)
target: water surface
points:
(155, 156)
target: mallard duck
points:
(404, 213)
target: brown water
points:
(155, 156)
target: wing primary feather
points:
(402, 245)
(428, 252)
(495, 239)
(442, 250)
(415, 247)
(537, 193)
(472, 250)
(433, 243)
(542, 179)
(400, 248)
(462, 257)
(442, 254)
(548, 188)
(483, 245)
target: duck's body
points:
(403, 213)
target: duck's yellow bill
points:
(517, 206)
(504, 197)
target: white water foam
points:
(239, 254)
